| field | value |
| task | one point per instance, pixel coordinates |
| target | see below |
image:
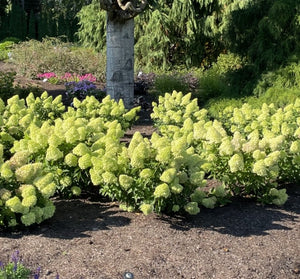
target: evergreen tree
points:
(169, 32)
(42, 26)
(193, 32)
(32, 32)
(17, 22)
(265, 31)
(92, 26)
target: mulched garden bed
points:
(93, 239)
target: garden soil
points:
(92, 239)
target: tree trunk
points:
(120, 60)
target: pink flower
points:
(46, 75)
(88, 77)
(67, 77)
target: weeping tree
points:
(167, 33)
(120, 47)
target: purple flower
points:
(1, 265)
(80, 89)
(37, 273)
(15, 258)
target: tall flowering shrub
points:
(45, 149)
(25, 192)
(75, 141)
(250, 151)
(160, 175)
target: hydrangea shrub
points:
(45, 149)
(250, 150)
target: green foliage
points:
(39, 19)
(287, 77)
(6, 84)
(92, 21)
(219, 80)
(14, 269)
(248, 150)
(5, 47)
(17, 19)
(59, 18)
(166, 34)
(53, 55)
(279, 87)
(267, 32)
(172, 33)
(9, 89)
(168, 83)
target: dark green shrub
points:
(218, 80)
(9, 89)
(168, 83)
(284, 77)
(280, 97)
(6, 84)
(217, 105)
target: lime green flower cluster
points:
(249, 150)
(271, 135)
(107, 110)
(74, 144)
(54, 151)
(26, 198)
(174, 109)
(156, 174)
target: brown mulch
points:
(93, 239)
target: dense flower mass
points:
(47, 150)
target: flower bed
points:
(47, 151)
